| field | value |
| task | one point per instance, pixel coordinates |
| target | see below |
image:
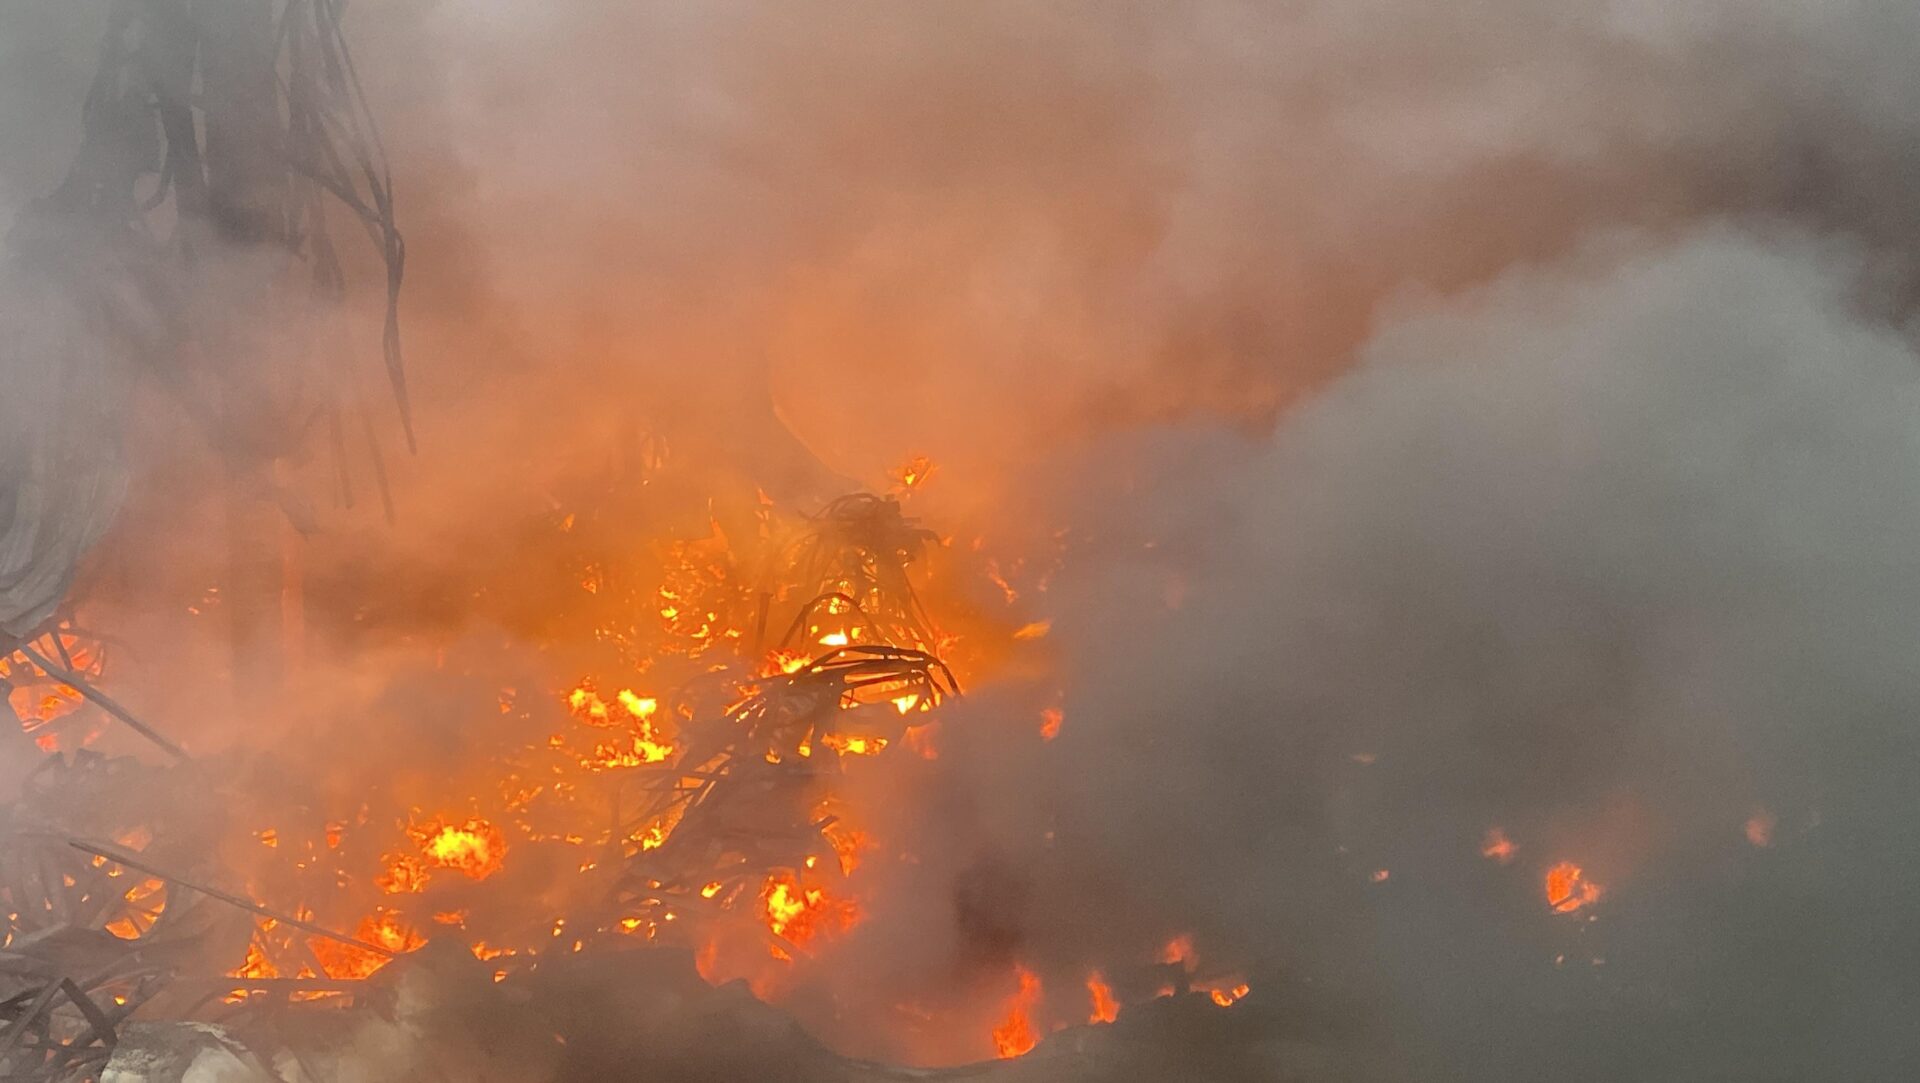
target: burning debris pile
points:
(697, 820)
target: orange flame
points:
(799, 914)
(1760, 828)
(1568, 888)
(1105, 1008)
(475, 848)
(1015, 1036)
(854, 746)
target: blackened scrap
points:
(860, 547)
(58, 1026)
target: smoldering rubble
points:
(1450, 422)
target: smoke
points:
(1610, 556)
(1459, 417)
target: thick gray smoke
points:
(1611, 556)
(1462, 416)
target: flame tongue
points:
(1015, 1036)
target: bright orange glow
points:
(1036, 630)
(912, 474)
(405, 874)
(799, 914)
(257, 965)
(854, 746)
(1050, 722)
(145, 902)
(1496, 846)
(1105, 1008)
(848, 844)
(1225, 995)
(785, 662)
(1760, 828)
(383, 928)
(1016, 1036)
(475, 847)
(1180, 950)
(642, 745)
(638, 706)
(1568, 888)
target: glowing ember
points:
(1015, 1035)
(1225, 995)
(1496, 846)
(1036, 630)
(1568, 888)
(1105, 1008)
(913, 474)
(1760, 828)
(474, 848)
(1050, 722)
(145, 901)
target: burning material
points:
(1016, 1036)
(475, 848)
(1568, 888)
(1105, 1008)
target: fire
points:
(848, 844)
(1051, 720)
(637, 706)
(1105, 1008)
(854, 746)
(786, 662)
(912, 474)
(145, 902)
(1568, 888)
(643, 745)
(383, 928)
(1036, 630)
(1760, 828)
(475, 847)
(1225, 995)
(1496, 846)
(1016, 1036)
(405, 874)
(798, 914)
